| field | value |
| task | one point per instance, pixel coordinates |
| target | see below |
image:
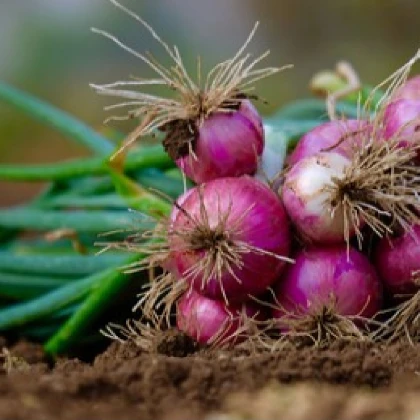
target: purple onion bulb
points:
(397, 260)
(325, 273)
(231, 238)
(409, 90)
(402, 119)
(210, 321)
(228, 144)
(308, 198)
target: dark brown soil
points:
(343, 381)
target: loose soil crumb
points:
(346, 380)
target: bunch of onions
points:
(228, 240)
(327, 292)
(343, 179)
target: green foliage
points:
(55, 118)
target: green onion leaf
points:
(47, 304)
(71, 265)
(111, 284)
(57, 119)
(94, 221)
(23, 287)
(150, 156)
(307, 109)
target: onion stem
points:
(57, 119)
(23, 313)
(150, 156)
(26, 286)
(94, 221)
(70, 265)
(104, 289)
(312, 109)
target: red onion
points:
(232, 238)
(211, 321)
(330, 197)
(335, 136)
(409, 90)
(325, 276)
(402, 119)
(397, 260)
(308, 195)
(226, 144)
(212, 129)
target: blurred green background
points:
(46, 48)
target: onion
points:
(337, 136)
(211, 129)
(402, 119)
(232, 238)
(211, 321)
(330, 197)
(397, 261)
(309, 198)
(409, 90)
(226, 144)
(326, 282)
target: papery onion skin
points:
(397, 259)
(206, 320)
(331, 136)
(402, 119)
(409, 90)
(273, 158)
(325, 272)
(228, 144)
(309, 204)
(259, 220)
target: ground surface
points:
(343, 381)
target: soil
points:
(343, 381)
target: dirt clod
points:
(180, 138)
(174, 343)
